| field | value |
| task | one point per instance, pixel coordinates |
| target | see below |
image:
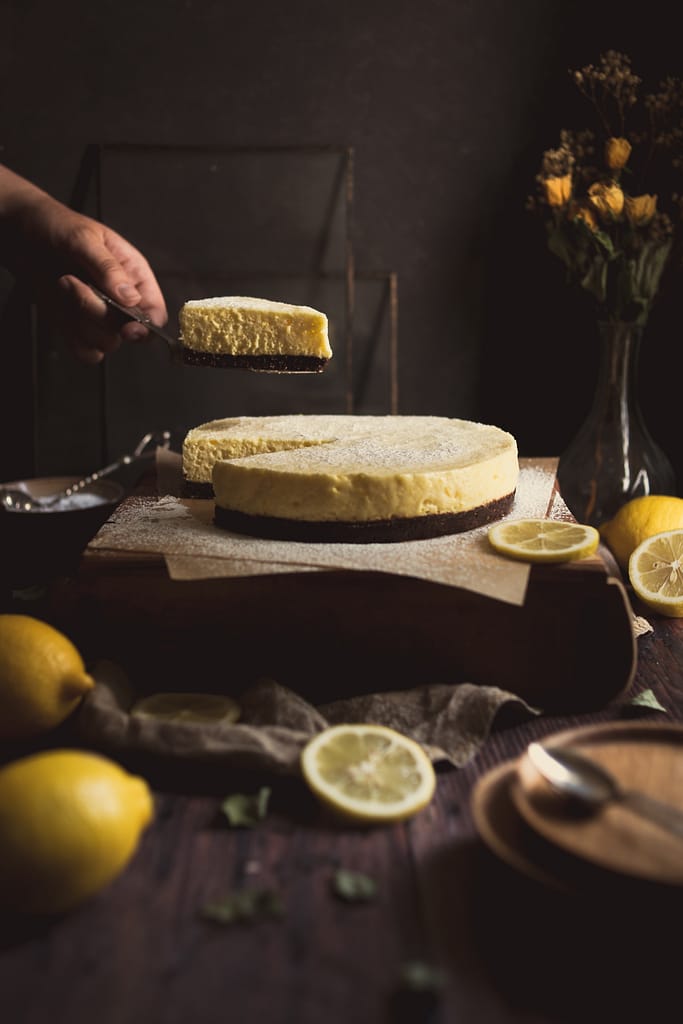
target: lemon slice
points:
(188, 707)
(543, 540)
(655, 570)
(368, 772)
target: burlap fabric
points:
(450, 721)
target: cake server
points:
(175, 346)
(137, 314)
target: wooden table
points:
(506, 949)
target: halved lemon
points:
(188, 707)
(543, 540)
(655, 570)
(369, 773)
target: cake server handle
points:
(137, 314)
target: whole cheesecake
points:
(358, 479)
(255, 334)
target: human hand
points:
(56, 250)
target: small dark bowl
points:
(38, 546)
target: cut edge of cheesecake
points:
(240, 436)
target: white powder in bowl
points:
(71, 502)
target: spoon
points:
(577, 776)
(12, 499)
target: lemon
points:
(42, 677)
(368, 772)
(70, 821)
(655, 570)
(188, 707)
(543, 540)
(639, 519)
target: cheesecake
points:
(254, 334)
(365, 479)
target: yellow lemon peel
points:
(42, 677)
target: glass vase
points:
(613, 457)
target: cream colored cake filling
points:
(250, 435)
(236, 325)
(367, 468)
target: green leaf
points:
(558, 244)
(244, 906)
(603, 241)
(244, 810)
(650, 267)
(353, 886)
(419, 976)
(647, 699)
(595, 279)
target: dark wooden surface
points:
(508, 949)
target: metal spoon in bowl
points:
(12, 499)
(574, 775)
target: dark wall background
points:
(447, 104)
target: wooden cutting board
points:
(569, 648)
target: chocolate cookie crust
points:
(266, 364)
(379, 531)
(196, 489)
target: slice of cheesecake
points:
(254, 334)
(365, 479)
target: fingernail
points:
(136, 333)
(128, 293)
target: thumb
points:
(105, 271)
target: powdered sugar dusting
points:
(173, 526)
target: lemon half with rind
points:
(543, 540)
(368, 773)
(655, 571)
(198, 708)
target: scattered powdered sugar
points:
(534, 491)
(175, 526)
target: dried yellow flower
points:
(617, 152)
(607, 199)
(614, 246)
(558, 190)
(640, 210)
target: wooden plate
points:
(505, 832)
(645, 756)
(508, 836)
